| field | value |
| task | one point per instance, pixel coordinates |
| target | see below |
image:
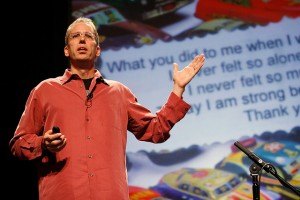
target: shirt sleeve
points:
(27, 139)
(155, 127)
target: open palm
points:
(182, 77)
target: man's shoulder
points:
(117, 85)
(48, 82)
(114, 83)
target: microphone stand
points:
(254, 172)
(267, 167)
(272, 170)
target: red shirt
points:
(93, 163)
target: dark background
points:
(32, 41)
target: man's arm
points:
(26, 142)
(155, 128)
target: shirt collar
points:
(67, 76)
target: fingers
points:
(54, 142)
(175, 67)
(57, 145)
(197, 62)
(53, 136)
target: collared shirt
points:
(92, 165)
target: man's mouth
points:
(82, 49)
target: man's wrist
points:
(178, 90)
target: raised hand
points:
(182, 77)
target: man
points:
(74, 126)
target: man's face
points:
(82, 46)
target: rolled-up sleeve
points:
(155, 128)
(26, 142)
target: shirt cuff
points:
(38, 150)
(178, 103)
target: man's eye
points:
(75, 35)
(88, 35)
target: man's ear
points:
(98, 51)
(66, 51)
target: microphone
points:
(254, 157)
(55, 129)
(90, 96)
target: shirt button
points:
(90, 156)
(88, 137)
(91, 174)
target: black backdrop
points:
(32, 42)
